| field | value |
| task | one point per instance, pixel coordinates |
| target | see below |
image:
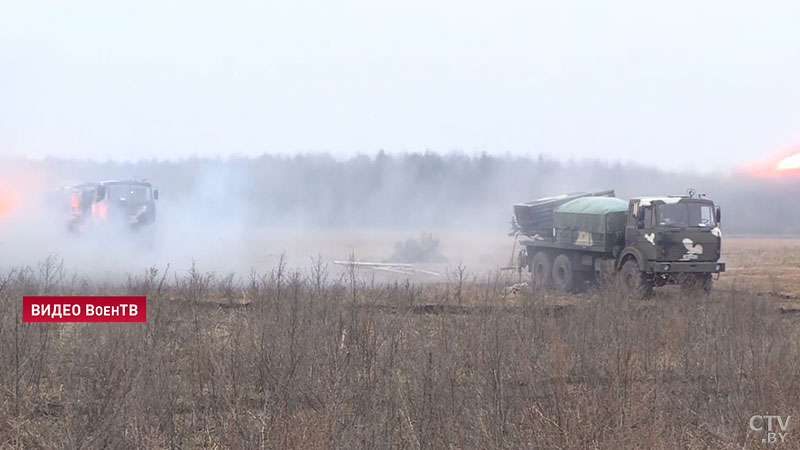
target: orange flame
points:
(786, 165)
(100, 210)
(75, 202)
(789, 163)
(9, 201)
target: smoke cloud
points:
(240, 213)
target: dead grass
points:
(306, 359)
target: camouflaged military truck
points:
(573, 239)
(129, 203)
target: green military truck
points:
(645, 242)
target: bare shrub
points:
(312, 362)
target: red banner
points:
(84, 309)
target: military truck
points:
(129, 203)
(75, 202)
(126, 202)
(573, 239)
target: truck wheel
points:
(697, 283)
(541, 270)
(563, 276)
(633, 280)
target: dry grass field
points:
(319, 357)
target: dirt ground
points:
(316, 359)
(770, 264)
(766, 264)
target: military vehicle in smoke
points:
(643, 243)
(122, 202)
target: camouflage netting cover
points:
(592, 214)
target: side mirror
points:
(155, 194)
(718, 215)
(100, 193)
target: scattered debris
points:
(517, 288)
(401, 268)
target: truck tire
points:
(541, 270)
(633, 281)
(697, 283)
(563, 276)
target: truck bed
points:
(567, 241)
(536, 217)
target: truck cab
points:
(125, 202)
(674, 239)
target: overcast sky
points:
(682, 84)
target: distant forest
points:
(418, 190)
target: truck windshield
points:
(129, 192)
(686, 215)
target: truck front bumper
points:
(687, 266)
